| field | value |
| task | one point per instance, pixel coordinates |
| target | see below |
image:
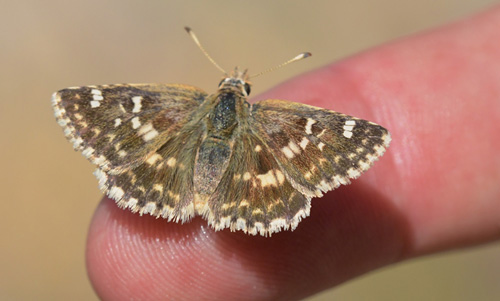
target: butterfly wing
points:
(162, 184)
(143, 138)
(253, 195)
(317, 149)
(116, 126)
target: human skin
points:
(436, 188)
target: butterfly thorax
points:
(226, 118)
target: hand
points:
(435, 189)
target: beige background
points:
(49, 45)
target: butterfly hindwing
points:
(317, 149)
(116, 126)
(161, 185)
(253, 194)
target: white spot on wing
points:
(353, 173)
(153, 158)
(132, 202)
(347, 134)
(63, 122)
(288, 152)
(149, 208)
(56, 98)
(158, 188)
(348, 127)
(135, 123)
(88, 151)
(148, 132)
(364, 165)
(116, 193)
(95, 104)
(387, 139)
(267, 179)
(77, 142)
(137, 100)
(150, 135)
(171, 161)
(99, 160)
(309, 124)
(60, 112)
(303, 144)
(101, 177)
(97, 96)
(280, 176)
(145, 128)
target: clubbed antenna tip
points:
(299, 57)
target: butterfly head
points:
(236, 81)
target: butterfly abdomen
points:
(216, 148)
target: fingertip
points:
(132, 256)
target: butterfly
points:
(174, 151)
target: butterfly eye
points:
(247, 88)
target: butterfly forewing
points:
(117, 126)
(317, 149)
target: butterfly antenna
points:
(299, 57)
(195, 39)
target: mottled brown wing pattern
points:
(253, 195)
(133, 133)
(162, 185)
(317, 149)
(174, 152)
(116, 126)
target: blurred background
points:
(49, 45)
